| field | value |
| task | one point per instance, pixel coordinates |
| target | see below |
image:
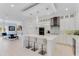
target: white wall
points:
(44, 23)
(29, 26)
(7, 28)
(6, 23)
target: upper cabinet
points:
(67, 22)
(55, 22)
(55, 25)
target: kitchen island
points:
(50, 42)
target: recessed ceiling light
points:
(66, 9)
(30, 13)
(48, 13)
(47, 8)
(37, 12)
(12, 5)
(6, 17)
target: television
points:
(11, 28)
(41, 31)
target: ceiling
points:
(14, 11)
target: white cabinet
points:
(44, 22)
(67, 24)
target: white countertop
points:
(51, 37)
(73, 36)
(47, 37)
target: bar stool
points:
(43, 50)
(34, 48)
(28, 43)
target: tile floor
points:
(15, 48)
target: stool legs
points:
(28, 47)
(34, 46)
(42, 52)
